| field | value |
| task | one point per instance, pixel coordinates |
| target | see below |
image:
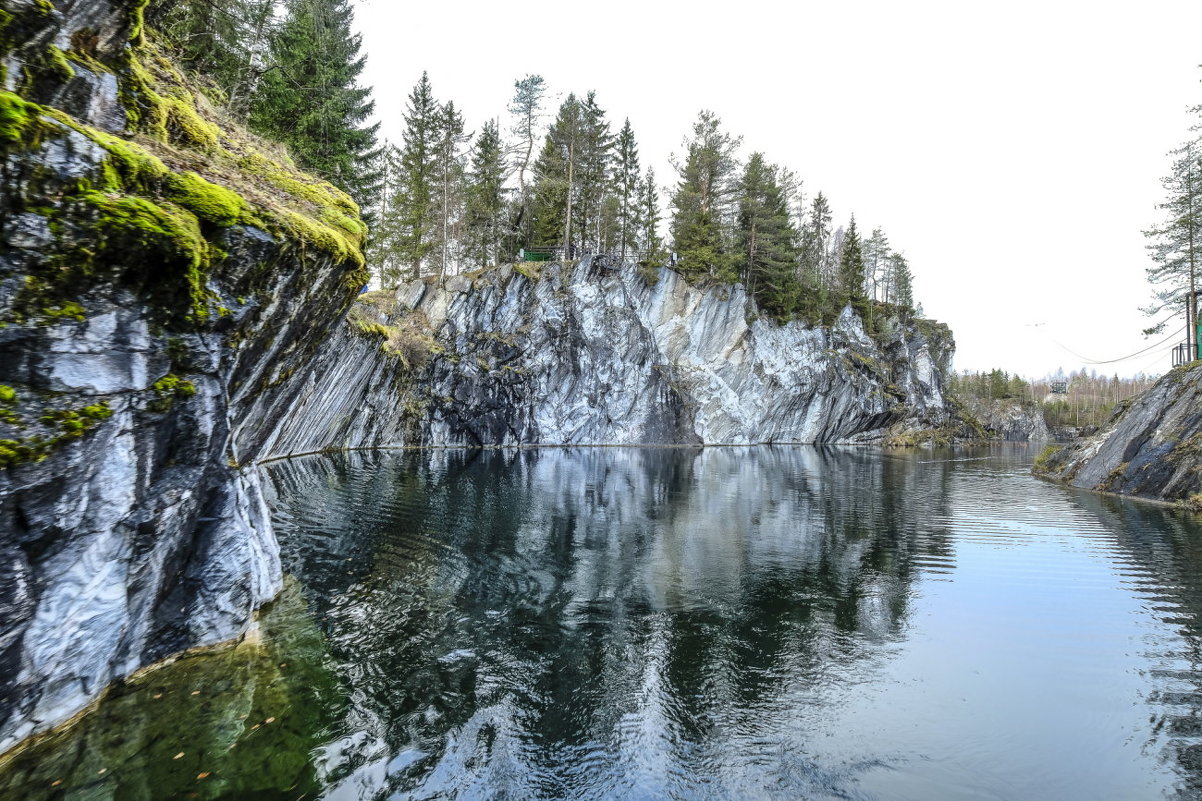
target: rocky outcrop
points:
(576, 354)
(159, 280)
(1008, 420)
(1150, 448)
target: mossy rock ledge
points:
(160, 271)
(1151, 447)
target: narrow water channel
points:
(729, 623)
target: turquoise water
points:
(732, 623)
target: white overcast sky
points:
(1013, 151)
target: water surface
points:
(749, 623)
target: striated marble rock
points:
(1150, 448)
(580, 355)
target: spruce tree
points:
(382, 253)
(311, 101)
(767, 241)
(851, 265)
(486, 197)
(626, 179)
(816, 239)
(703, 201)
(416, 217)
(449, 191)
(592, 180)
(647, 241)
(556, 177)
(901, 281)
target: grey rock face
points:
(587, 356)
(1151, 447)
(1009, 420)
(128, 531)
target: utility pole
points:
(1191, 313)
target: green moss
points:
(49, 65)
(184, 126)
(167, 389)
(1044, 461)
(66, 425)
(208, 201)
(531, 269)
(324, 238)
(158, 245)
(20, 120)
(65, 310)
(137, 25)
(7, 394)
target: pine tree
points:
(1176, 244)
(767, 241)
(703, 201)
(626, 179)
(486, 198)
(876, 263)
(526, 108)
(414, 205)
(310, 99)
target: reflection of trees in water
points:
(496, 610)
(1164, 549)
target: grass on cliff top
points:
(178, 125)
(182, 150)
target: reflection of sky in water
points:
(742, 623)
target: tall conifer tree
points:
(767, 241)
(626, 179)
(311, 100)
(556, 176)
(486, 197)
(414, 204)
(648, 241)
(851, 264)
(703, 201)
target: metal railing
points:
(1181, 354)
(601, 258)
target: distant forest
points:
(1084, 399)
(533, 183)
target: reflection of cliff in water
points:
(486, 607)
(1162, 559)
